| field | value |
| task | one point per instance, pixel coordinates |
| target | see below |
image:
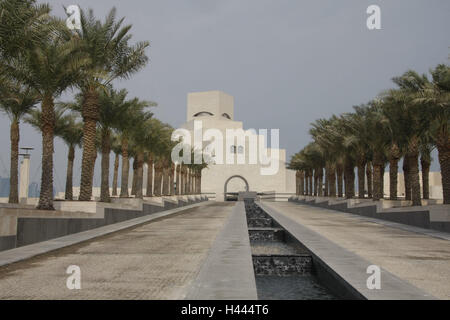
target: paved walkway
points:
(154, 261)
(419, 259)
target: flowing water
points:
(283, 267)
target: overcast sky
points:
(286, 63)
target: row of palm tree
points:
(406, 122)
(127, 129)
(40, 58)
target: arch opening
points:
(232, 196)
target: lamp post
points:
(24, 175)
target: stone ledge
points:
(227, 273)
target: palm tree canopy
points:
(17, 100)
(23, 23)
(50, 66)
(107, 45)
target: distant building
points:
(4, 187)
(34, 190)
(215, 110)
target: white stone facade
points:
(215, 110)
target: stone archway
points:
(228, 180)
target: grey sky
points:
(286, 63)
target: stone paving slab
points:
(156, 260)
(227, 273)
(29, 251)
(404, 256)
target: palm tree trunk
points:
(181, 186)
(116, 174)
(393, 178)
(302, 182)
(48, 124)
(165, 181)
(340, 172)
(316, 181)
(377, 174)
(406, 178)
(133, 183)
(443, 146)
(332, 181)
(14, 165)
(69, 174)
(320, 183)
(369, 179)
(200, 181)
(106, 150)
(310, 183)
(139, 175)
(125, 169)
(188, 181)
(394, 157)
(177, 179)
(413, 166)
(326, 184)
(349, 178)
(415, 180)
(361, 179)
(90, 115)
(297, 182)
(158, 180)
(425, 164)
(149, 178)
(172, 182)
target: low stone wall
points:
(20, 227)
(433, 216)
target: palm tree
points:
(23, 24)
(425, 163)
(134, 113)
(49, 68)
(111, 57)
(378, 143)
(112, 108)
(16, 101)
(413, 123)
(356, 139)
(69, 130)
(434, 97)
(72, 135)
(155, 131)
(144, 137)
